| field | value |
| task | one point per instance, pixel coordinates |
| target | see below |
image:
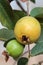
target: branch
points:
(20, 6)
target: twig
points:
(28, 51)
(24, 53)
(20, 6)
(28, 7)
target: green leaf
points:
(22, 61)
(20, 13)
(6, 34)
(6, 14)
(38, 48)
(33, 1)
(37, 12)
(8, 17)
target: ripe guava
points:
(27, 30)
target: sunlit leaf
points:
(37, 12)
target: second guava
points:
(14, 48)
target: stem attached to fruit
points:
(28, 7)
(28, 52)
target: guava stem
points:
(28, 7)
(28, 51)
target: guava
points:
(27, 30)
(14, 48)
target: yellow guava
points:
(27, 30)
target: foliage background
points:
(14, 6)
